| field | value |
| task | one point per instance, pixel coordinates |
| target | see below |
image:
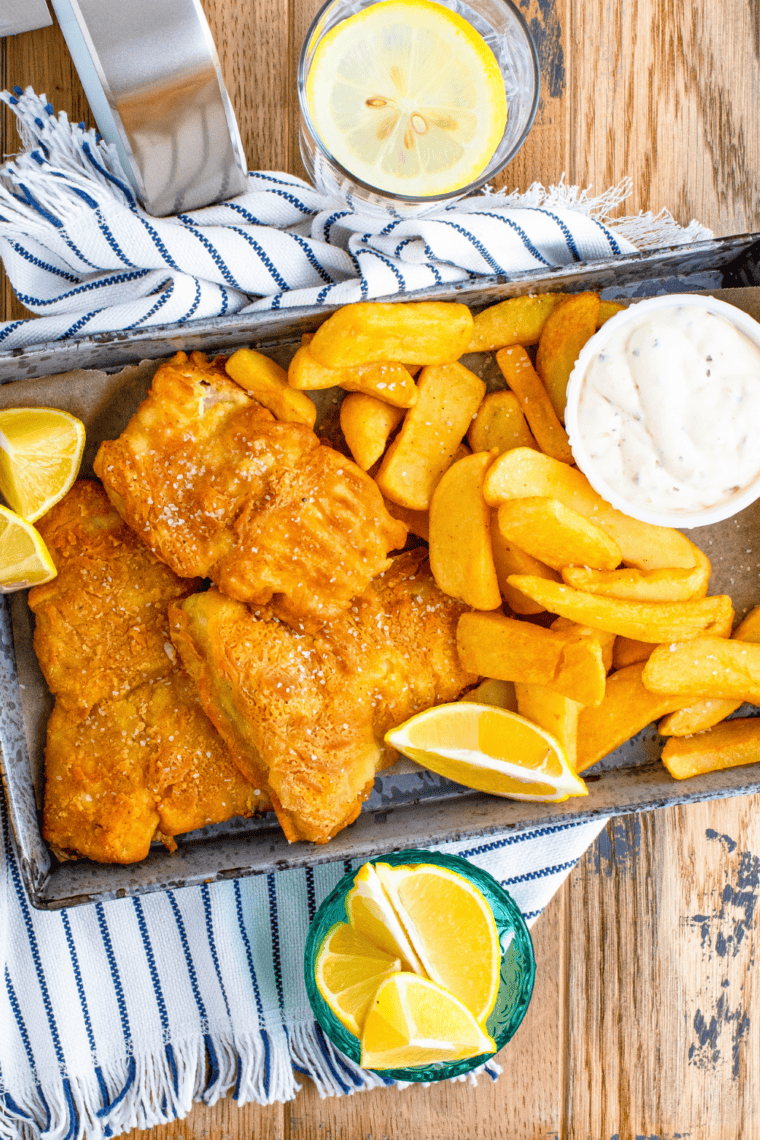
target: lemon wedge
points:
(348, 971)
(24, 558)
(414, 1021)
(408, 97)
(451, 927)
(370, 912)
(490, 749)
(40, 454)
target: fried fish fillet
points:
(101, 626)
(218, 488)
(130, 754)
(304, 714)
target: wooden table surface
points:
(644, 1024)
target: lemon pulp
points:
(24, 558)
(414, 1021)
(40, 453)
(408, 97)
(490, 749)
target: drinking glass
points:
(517, 973)
(503, 28)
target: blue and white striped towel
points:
(119, 1015)
(80, 251)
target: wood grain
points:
(644, 1022)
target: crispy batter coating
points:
(218, 488)
(304, 714)
(130, 755)
(101, 625)
(148, 765)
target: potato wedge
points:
(706, 667)
(525, 382)
(606, 640)
(523, 472)
(510, 559)
(491, 692)
(666, 585)
(627, 708)
(550, 710)
(461, 560)
(416, 522)
(387, 381)
(703, 714)
(556, 534)
(500, 423)
(421, 332)
(366, 424)
(265, 381)
(511, 650)
(727, 745)
(518, 320)
(628, 651)
(608, 309)
(643, 621)
(449, 396)
(563, 336)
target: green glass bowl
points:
(518, 966)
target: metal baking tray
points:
(407, 803)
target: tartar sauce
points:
(669, 410)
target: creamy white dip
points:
(669, 410)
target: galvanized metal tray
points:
(407, 803)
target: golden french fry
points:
(608, 309)
(556, 534)
(563, 336)
(606, 640)
(728, 745)
(491, 692)
(386, 380)
(666, 585)
(643, 621)
(525, 382)
(628, 651)
(416, 522)
(366, 424)
(500, 423)
(510, 559)
(449, 396)
(703, 714)
(421, 332)
(627, 708)
(518, 320)
(523, 472)
(706, 667)
(511, 650)
(550, 710)
(460, 542)
(265, 381)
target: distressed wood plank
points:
(662, 998)
(663, 90)
(252, 40)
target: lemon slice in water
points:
(408, 97)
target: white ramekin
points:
(681, 519)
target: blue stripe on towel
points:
(157, 990)
(252, 971)
(211, 1051)
(85, 1009)
(105, 935)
